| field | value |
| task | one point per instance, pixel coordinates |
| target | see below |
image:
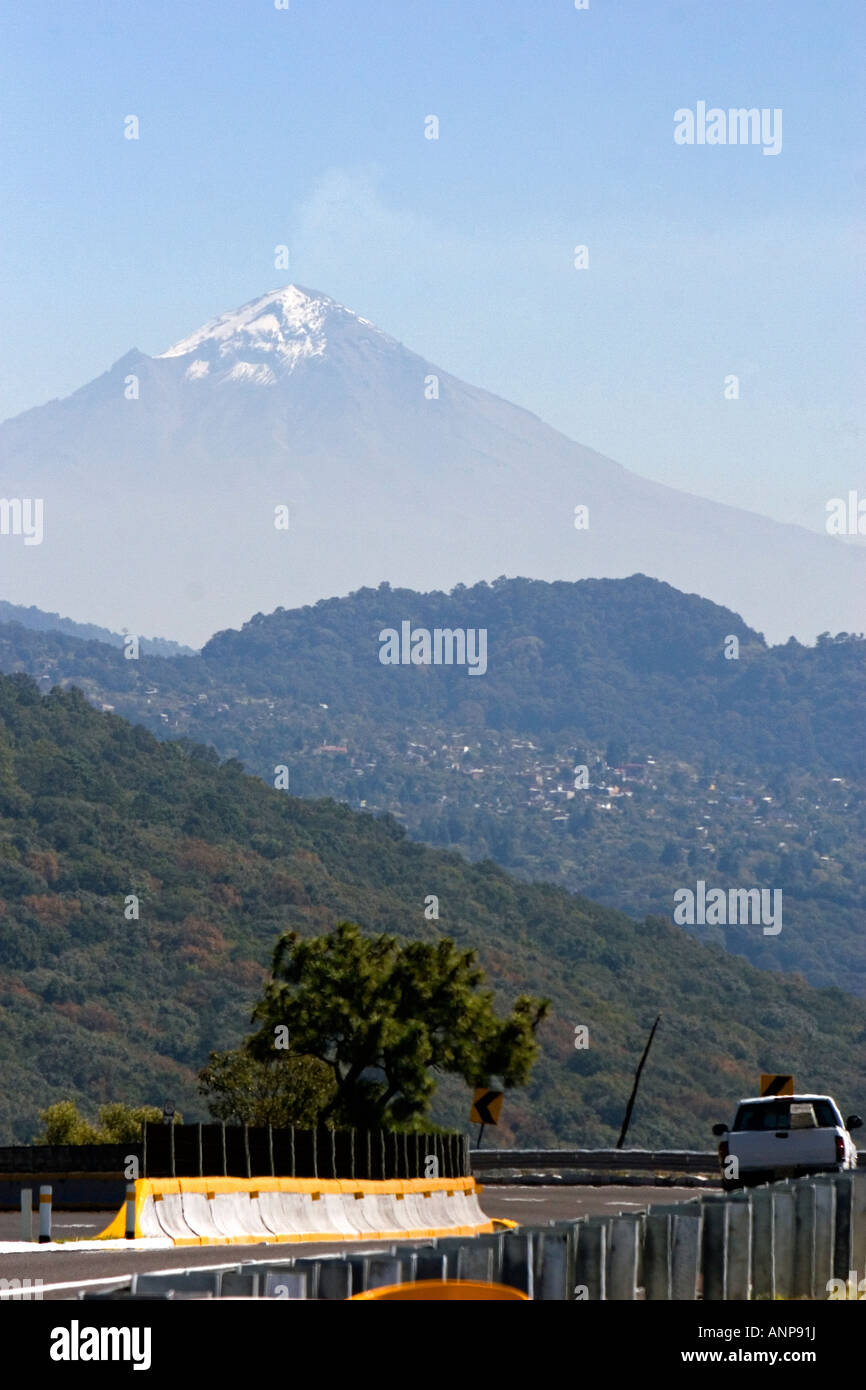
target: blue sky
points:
(260, 127)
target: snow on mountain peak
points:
(266, 337)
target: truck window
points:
(777, 1115)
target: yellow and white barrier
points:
(249, 1211)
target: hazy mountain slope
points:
(39, 621)
(744, 773)
(160, 481)
(97, 1007)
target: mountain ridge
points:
(211, 496)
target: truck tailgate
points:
(786, 1148)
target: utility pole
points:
(627, 1120)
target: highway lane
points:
(526, 1205)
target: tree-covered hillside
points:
(739, 771)
(40, 621)
(97, 1006)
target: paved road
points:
(527, 1205)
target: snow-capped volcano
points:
(290, 450)
(266, 337)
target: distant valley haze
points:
(290, 450)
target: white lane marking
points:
(522, 1199)
(54, 1247)
(119, 1279)
(625, 1204)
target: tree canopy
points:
(278, 1090)
(118, 1123)
(386, 1016)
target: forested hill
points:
(40, 621)
(97, 1007)
(740, 769)
(633, 661)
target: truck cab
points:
(776, 1137)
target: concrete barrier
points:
(248, 1211)
(782, 1241)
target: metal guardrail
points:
(602, 1160)
(589, 1160)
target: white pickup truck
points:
(783, 1137)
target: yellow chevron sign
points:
(486, 1106)
(774, 1084)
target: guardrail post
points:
(858, 1223)
(474, 1260)
(804, 1239)
(714, 1248)
(335, 1280)
(129, 1227)
(27, 1213)
(44, 1214)
(555, 1266)
(223, 1136)
(686, 1241)
(622, 1259)
(686, 1224)
(842, 1247)
(738, 1254)
(825, 1222)
(763, 1244)
(657, 1256)
(270, 1150)
(518, 1260)
(591, 1264)
(783, 1244)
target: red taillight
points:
(840, 1149)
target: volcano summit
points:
(166, 483)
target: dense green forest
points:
(741, 772)
(99, 1005)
